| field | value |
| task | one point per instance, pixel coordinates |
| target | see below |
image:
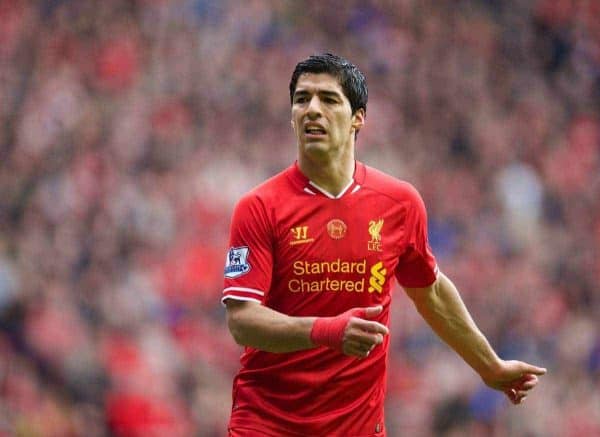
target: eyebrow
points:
(325, 93)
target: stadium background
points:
(128, 129)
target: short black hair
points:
(350, 78)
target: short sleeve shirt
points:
(303, 252)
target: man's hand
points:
(514, 378)
(350, 332)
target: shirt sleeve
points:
(417, 266)
(249, 260)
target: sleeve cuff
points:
(243, 294)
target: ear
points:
(358, 119)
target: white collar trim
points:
(328, 194)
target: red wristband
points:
(329, 331)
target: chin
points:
(316, 145)
(316, 149)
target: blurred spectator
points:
(129, 128)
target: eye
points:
(300, 99)
(330, 100)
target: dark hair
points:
(350, 78)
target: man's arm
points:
(254, 325)
(442, 307)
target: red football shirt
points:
(303, 252)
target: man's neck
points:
(332, 175)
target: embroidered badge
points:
(336, 229)
(375, 231)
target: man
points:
(313, 253)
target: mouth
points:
(314, 131)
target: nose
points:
(314, 108)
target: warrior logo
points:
(300, 235)
(236, 263)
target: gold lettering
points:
(360, 286)
(298, 268)
(294, 285)
(305, 286)
(328, 284)
(361, 267)
(333, 285)
(335, 266)
(325, 276)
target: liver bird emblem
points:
(375, 229)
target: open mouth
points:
(314, 131)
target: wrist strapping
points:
(329, 331)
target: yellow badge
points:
(300, 234)
(375, 231)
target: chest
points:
(346, 235)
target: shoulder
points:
(266, 194)
(390, 186)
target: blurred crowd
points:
(128, 129)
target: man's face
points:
(322, 116)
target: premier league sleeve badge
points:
(236, 263)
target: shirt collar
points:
(304, 184)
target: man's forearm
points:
(443, 309)
(353, 332)
(262, 328)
